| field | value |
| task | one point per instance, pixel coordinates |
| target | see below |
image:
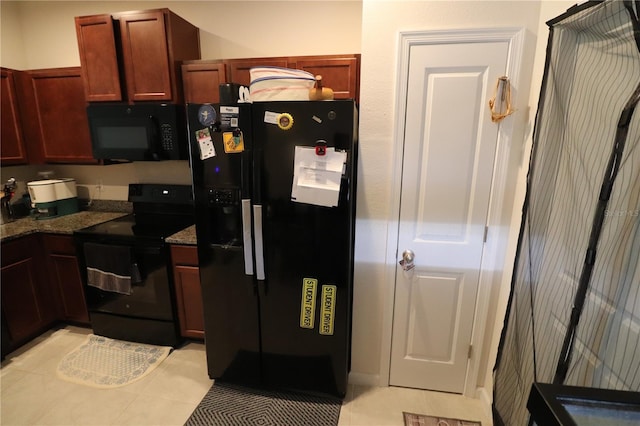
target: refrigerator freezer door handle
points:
(257, 227)
(246, 236)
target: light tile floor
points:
(32, 394)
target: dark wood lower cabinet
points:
(184, 260)
(41, 285)
(65, 279)
(28, 304)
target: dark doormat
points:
(411, 419)
(230, 405)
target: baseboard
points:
(485, 398)
(363, 379)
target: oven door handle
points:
(146, 250)
(135, 248)
(246, 236)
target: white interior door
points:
(449, 149)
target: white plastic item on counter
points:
(48, 190)
(42, 191)
(279, 84)
(66, 188)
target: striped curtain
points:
(574, 312)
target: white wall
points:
(12, 51)
(381, 23)
(228, 29)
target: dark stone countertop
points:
(186, 236)
(59, 225)
(69, 223)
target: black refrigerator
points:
(274, 187)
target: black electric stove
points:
(146, 313)
(158, 211)
(131, 227)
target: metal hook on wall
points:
(500, 104)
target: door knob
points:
(407, 260)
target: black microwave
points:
(140, 132)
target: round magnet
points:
(207, 115)
(285, 121)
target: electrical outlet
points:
(99, 186)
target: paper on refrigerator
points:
(316, 178)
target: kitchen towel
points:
(110, 267)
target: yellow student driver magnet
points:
(285, 121)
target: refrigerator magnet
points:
(285, 121)
(321, 147)
(205, 143)
(229, 116)
(233, 141)
(308, 302)
(328, 308)
(207, 115)
(271, 117)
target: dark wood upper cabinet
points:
(100, 73)
(341, 74)
(135, 56)
(239, 69)
(202, 81)
(53, 105)
(12, 146)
